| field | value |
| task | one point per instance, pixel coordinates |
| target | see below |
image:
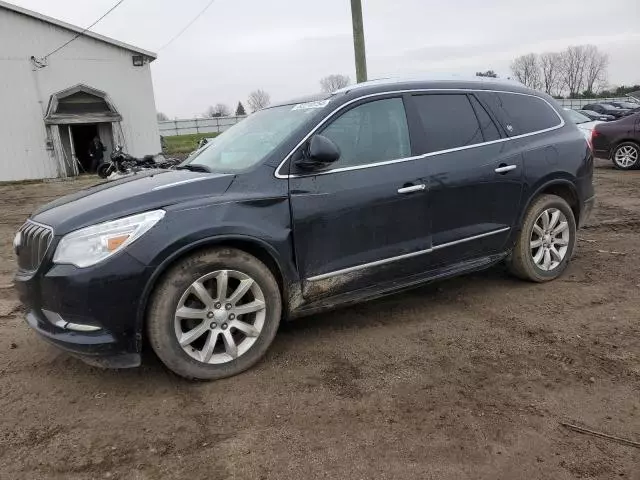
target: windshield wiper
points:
(194, 167)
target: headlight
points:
(90, 245)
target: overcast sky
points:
(286, 46)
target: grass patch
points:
(184, 143)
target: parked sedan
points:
(607, 109)
(584, 123)
(626, 105)
(596, 116)
(619, 141)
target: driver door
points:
(363, 221)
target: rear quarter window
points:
(448, 121)
(521, 114)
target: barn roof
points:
(73, 28)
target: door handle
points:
(503, 168)
(412, 188)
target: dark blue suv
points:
(302, 207)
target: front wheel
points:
(104, 170)
(546, 241)
(214, 314)
(626, 156)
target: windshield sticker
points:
(309, 105)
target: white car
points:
(584, 123)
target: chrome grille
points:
(34, 242)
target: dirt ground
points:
(464, 379)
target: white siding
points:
(25, 92)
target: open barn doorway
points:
(82, 136)
(75, 145)
(76, 116)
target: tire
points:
(524, 261)
(104, 170)
(176, 289)
(626, 156)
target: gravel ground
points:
(464, 379)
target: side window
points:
(372, 132)
(448, 121)
(522, 113)
(489, 129)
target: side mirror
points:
(320, 153)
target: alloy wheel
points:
(626, 156)
(220, 316)
(550, 238)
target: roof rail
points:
(418, 78)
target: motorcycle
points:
(122, 164)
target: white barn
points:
(53, 107)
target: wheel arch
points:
(561, 187)
(622, 140)
(251, 245)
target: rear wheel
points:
(546, 241)
(214, 314)
(626, 156)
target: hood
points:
(129, 195)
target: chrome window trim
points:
(277, 173)
(384, 261)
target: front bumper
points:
(93, 313)
(98, 348)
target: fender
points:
(546, 183)
(287, 271)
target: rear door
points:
(475, 179)
(364, 222)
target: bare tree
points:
(526, 69)
(331, 83)
(219, 110)
(595, 70)
(161, 117)
(573, 68)
(551, 68)
(258, 99)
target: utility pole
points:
(358, 41)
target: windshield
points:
(248, 142)
(577, 117)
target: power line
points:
(187, 26)
(83, 31)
